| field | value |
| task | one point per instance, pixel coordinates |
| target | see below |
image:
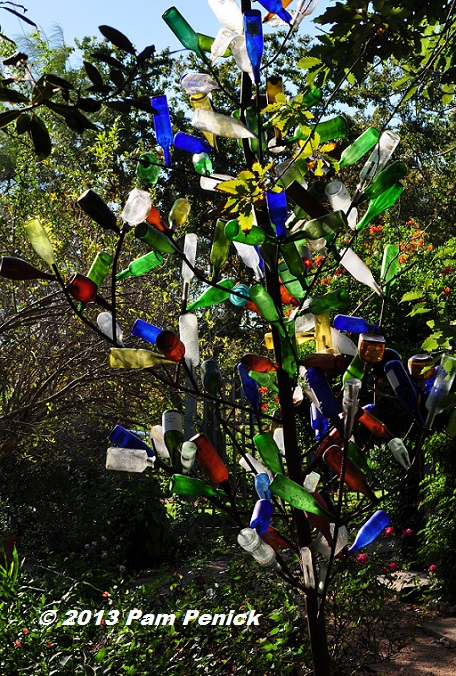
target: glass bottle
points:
(266, 306)
(353, 476)
(156, 437)
(170, 345)
(251, 465)
(317, 228)
(209, 459)
(269, 451)
(328, 130)
(293, 285)
(261, 516)
(354, 324)
(229, 15)
(188, 456)
(323, 340)
(104, 321)
(188, 333)
(240, 295)
(350, 404)
(220, 248)
(261, 552)
(340, 200)
(404, 389)
(249, 388)
(399, 452)
(343, 344)
(128, 459)
(277, 7)
(198, 83)
(421, 367)
(18, 269)
(191, 144)
(390, 263)
(262, 481)
(172, 433)
(82, 288)
(278, 210)
(181, 484)
(129, 358)
(305, 200)
(206, 43)
(359, 458)
(93, 205)
(156, 240)
(264, 380)
(386, 179)
(183, 31)
(154, 218)
(162, 124)
(100, 268)
(328, 404)
(371, 348)
(211, 377)
(294, 262)
(297, 496)
(254, 362)
(136, 207)
(330, 301)
(40, 242)
(378, 158)
(220, 125)
(213, 295)
(220, 45)
(359, 270)
(356, 369)
(371, 530)
(360, 146)
(373, 424)
(179, 213)
(202, 100)
(318, 423)
(148, 169)
(380, 204)
(190, 246)
(435, 401)
(202, 164)
(253, 32)
(126, 439)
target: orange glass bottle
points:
(209, 459)
(373, 424)
(253, 362)
(353, 476)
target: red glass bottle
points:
(353, 476)
(253, 362)
(332, 364)
(154, 218)
(170, 345)
(273, 538)
(209, 459)
(373, 424)
(82, 288)
(18, 269)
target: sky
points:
(139, 20)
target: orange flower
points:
(403, 258)
(446, 291)
(264, 406)
(262, 389)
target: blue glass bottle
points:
(261, 516)
(125, 439)
(318, 422)
(275, 7)
(250, 388)
(162, 123)
(329, 406)
(371, 529)
(404, 389)
(354, 325)
(253, 31)
(262, 482)
(278, 210)
(146, 331)
(240, 295)
(192, 144)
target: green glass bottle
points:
(390, 263)
(128, 358)
(142, 265)
(386, 179)
(290, 282)
(195, 488)
(294, 262)
(379, 204)
(313, 96)
(359, 458)
(324, 226)
(183, 31)
(305, 201)
(265, 305)
(265, 380)
(328, 130)
(100, 268)
(289, 349)
(202, 164)
(155, 239)
(359, 147)
(356, 369)
(206, 41)
(297, 496)
(148, 169)
(220, 249)
(269, 451)
(330, 301)
(39, 240)
(172, 433)
(213, 295)
(254, 236)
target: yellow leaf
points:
(328, 147)
(229, 186)
(246, 221)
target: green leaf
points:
(308, 62)
(117, 38)
(12, 96)
(23, 123)
(8, 116)
(40, 137)
(58, 82)
(419, 310)
(412, 295)
(107, 58)
(117, 77)
(411, 92)
(93, 74)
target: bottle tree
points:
(282, 208)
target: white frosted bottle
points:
(229, 14)
(258, 548)
(104, 321)
(188, 333)
(359, 270)
(220, 125)
(128, 459)
(156, 436)
(137, 207)
(339, 199)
